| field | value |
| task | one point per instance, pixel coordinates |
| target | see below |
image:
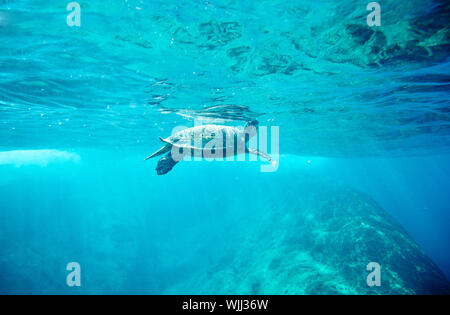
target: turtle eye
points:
(253, 123)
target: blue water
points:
(363, 118)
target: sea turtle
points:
(206, 141)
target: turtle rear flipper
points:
(165, 164)
(163, 150)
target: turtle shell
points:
(197, 138)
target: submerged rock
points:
(319, 244)
(237, 232)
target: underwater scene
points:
(224, 147)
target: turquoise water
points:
(363, 165)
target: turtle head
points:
(251, 128)
(253, 123)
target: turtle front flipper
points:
(165, 164)
(261, 154)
